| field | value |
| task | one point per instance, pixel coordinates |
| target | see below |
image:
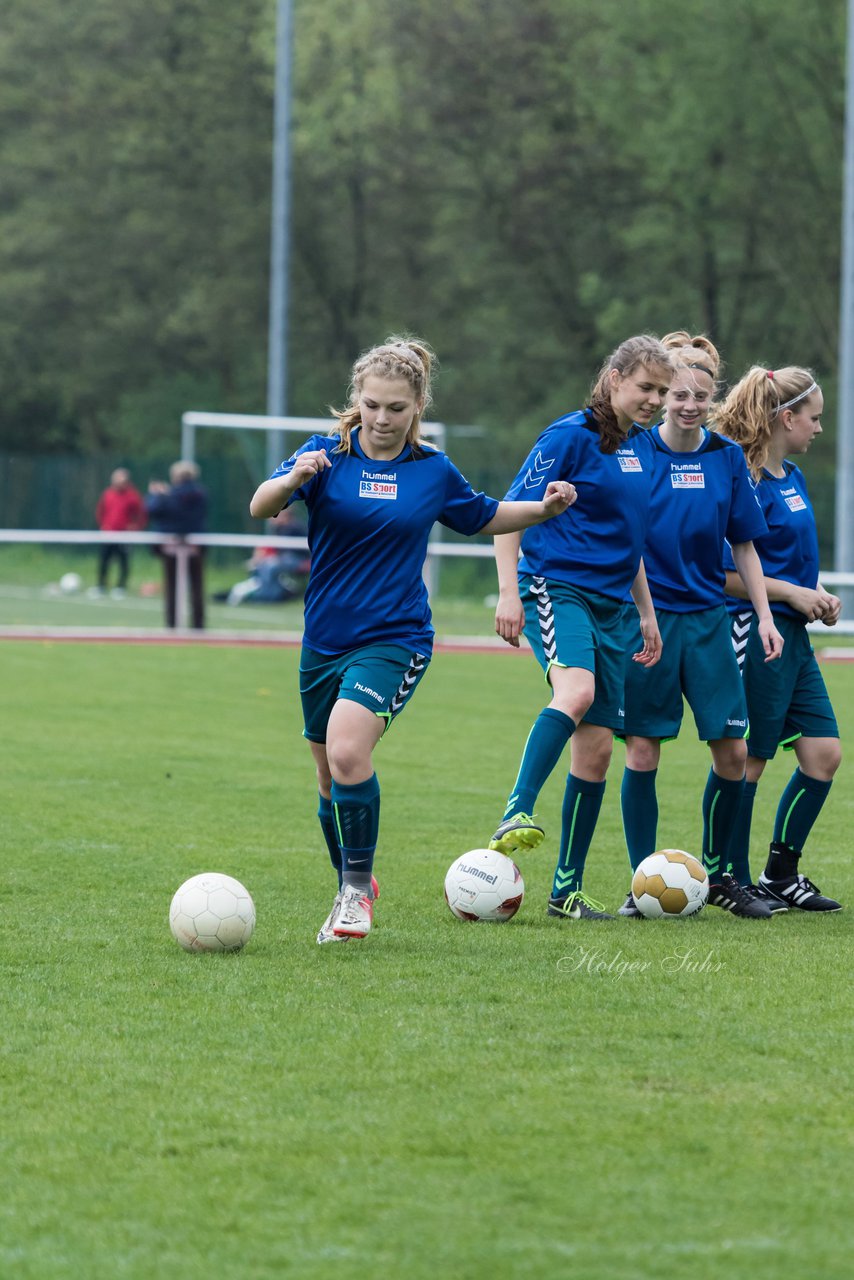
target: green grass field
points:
(536, 1099)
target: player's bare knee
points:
(347, 762)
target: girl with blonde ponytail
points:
(373, 492)
(772, 414)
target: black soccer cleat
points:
(778, 907)
(578, 906)
(797, 891)
(631, 909)
(730, 896)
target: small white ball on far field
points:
(70, 583)
(212, 912)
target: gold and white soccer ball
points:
(212, 912)
(669, 885)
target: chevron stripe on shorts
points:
(408, 682)
(545, 617)
(739, 630)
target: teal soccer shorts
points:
(566, 627)
(697, 661)
(786, 699)
(381, 677)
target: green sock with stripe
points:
(639, 805)
(800, 804)
(721, 802)
(581, 804)
(739, 843)
(549, 735)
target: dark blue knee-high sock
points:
(721, 801)
(327, 826)
(549, 735)
(800, 804)
(739, 842)
(639, 804)
(581, 804)
(357, 822)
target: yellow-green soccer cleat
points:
(518, 832)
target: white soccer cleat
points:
(355, 914)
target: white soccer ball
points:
(670, 884)
(70, 583)
(484, 885)
(212, 912)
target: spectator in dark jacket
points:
(179, 508)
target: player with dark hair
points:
(373, 490)
(568, 594)
(771, 414)
(701, 494)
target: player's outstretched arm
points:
(513, 516)
(272, 495)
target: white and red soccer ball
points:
(484, 885)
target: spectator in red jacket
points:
(120, 508)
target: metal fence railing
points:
(181, 548)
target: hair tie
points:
(771, 374)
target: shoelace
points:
(805, 883)
(578, 896)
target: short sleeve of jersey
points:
(788, 549)
(312, 445)
(551, 458)
(746, 520)
(464, 510)
(596, 543)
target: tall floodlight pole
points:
(845, 432)
(277, 352)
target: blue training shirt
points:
(789, 548)
(698, 499)
(368, 525)
(596, 544)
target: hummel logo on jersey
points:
(537, 472)
(628, 460)
(687, 475)
(793, 500)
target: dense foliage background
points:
(523, 184)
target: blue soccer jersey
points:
(368, 525)
(698, 500)
(597, 543)
(789, 548)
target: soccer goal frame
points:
(277, 429)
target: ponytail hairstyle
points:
(643, 350)
(749, 413)
(698, 352)
(397, 357)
